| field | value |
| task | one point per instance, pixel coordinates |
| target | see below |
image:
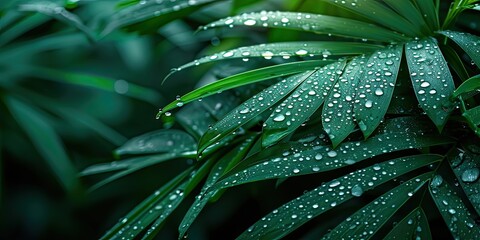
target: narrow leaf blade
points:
(431, 79)
(413, 226)
(468, 42)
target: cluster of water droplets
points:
(376, 87)
(466, 166)
(304, 101)
(468, 42)
(329, 195)
(431, 78)
(337, 114)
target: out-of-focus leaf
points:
(312, 23)
(245, 78)
(223, 165)
(141, 213)
(45, 140)
(103, 83)
(20, 26)
(410, 12)
(289, 49)
(145, 10)
(431, 79)
(375, 88)
(165, 140)
(468, 42)
(251, 108)
(58, 12)
(470, 85)
(413, 226)
(458, 218)
(301, 104)
(368, 220)
(297, 212)
(380, 14)
(337, 113)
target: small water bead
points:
(284, 20)
(228, 21)
(228, 54)
(318, 156)
(334, 184)
(436, 181)
(425, 84)
(296, 170)
(245, 110)
(267, 55)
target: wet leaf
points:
(427, 8)
(431, 79)
(466, 167)
(470, 85)
(222, 166)
(364, 223)
(297, 212)
(468, 42)
(375, 88)
(301, 104)
(309, 22)
(459, 220)
(380, 14)
(245, 78)
(413, 226)
(337, 114)
(58, 12)
(251, 108)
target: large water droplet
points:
(357, 191)
(470, 175)
(250, 22)
(279, 118)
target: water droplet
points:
(425, 84)
(301, 52)
(318, 156)
(436, 181)
(279, 118)
(368, 104)
(470, 175)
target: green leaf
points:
(364, 223)
(459, 220)
(289, 49)
(251, 108)
(145, 10)
(468, 42)
(473, 116)
(58, 12)
(46, 142)
(301, 104)
(129, 166)
(312, 23)
(431, 79)
(380, 14)
(413, 226)
(296, 159)
(375, 88)
(427, 8)
(245, 78)
(410, 12)
(337, 114)
(21, 26)
(102, 83)
(455, 62)
(470, 85)
(297, 212)
(165, 140)
(222, 166)
(466, 167)
(141, 212)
